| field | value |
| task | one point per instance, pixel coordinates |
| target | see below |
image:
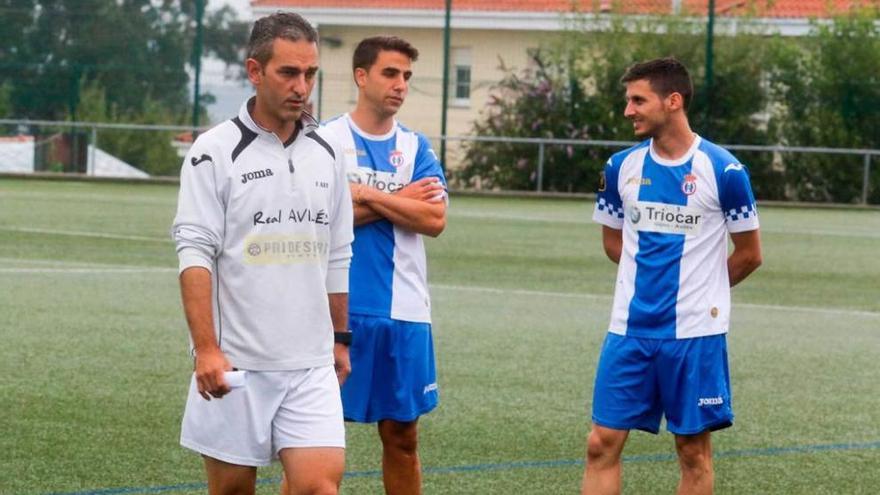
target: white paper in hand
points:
(235, 379)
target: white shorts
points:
(275, 410)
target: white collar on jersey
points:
(307, 122)
(676, 161)
(367, 135)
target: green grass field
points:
(94, 361)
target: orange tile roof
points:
(761, 8)
(184, 137)
(21, 138)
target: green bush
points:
(150, 151)
(767, 90)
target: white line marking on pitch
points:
(523, 292)
(78, 233)
(87, 271)
(92, 198)
(492, 290)
(577, 295)
(586, 220)
(483, 216)
(25, 262)
(81, 267)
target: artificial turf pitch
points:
(94, 362)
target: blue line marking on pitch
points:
(772, 451)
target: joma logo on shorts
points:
(710, 401)
(259, 174)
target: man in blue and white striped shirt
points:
(399, 195)
(666, 207)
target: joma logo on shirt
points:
(638, 181)
(710, 401)
(202, 159)
(259, 174)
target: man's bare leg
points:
(229, 479)
(603, 471)
(401, 468)
(312, 470)
(695, 460)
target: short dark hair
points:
(284, 25)
(368, 49)
(666, 75)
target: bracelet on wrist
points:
(343, 338)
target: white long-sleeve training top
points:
(272, 221)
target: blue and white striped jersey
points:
(388, 275)
(672, 282)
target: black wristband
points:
(343, 338)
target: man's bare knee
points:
(694, 454)
(312, 471)
(314, 487)
(400, 437)
(323, 488)
(604, 446)
(695, 463)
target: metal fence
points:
(142, 150)
(542, 144)
(92, 148)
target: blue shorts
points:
(392, 370)
(639, 380)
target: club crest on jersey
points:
(689, 186)
(396, 158)
(602, 183)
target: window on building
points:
(461, 76)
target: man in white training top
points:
(263, 233)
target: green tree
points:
(830, 97)
(543, 101)
(136, 50)
(572, 90)
(5, 101)
(148, 150)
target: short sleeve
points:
(609, 206)
(427, 164)
(737, 199)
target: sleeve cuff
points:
(743, 226)
(608, 220)
(190, 257)
(337, 280)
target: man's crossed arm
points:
(419, 206)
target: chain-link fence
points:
(787, 173)
(94, 149)
(835, 175)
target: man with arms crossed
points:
(398, 189)
(263, 233)
(666, 206)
